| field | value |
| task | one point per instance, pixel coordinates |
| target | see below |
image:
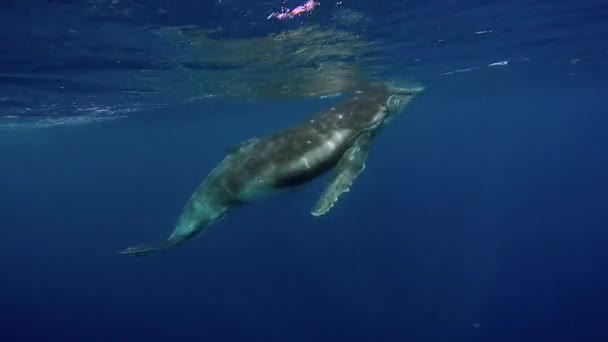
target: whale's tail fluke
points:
(177, 238)
(148, 248)
(198, 215)
(155, 247)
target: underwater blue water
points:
(481, 216)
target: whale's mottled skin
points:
(337, 138)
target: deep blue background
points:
(481, 216)
(491, 212)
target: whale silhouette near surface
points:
(338, 138)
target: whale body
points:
(337, 138)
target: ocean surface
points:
(482, 214)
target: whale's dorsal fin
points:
(242, 145)
(348, 168)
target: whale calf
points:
(338, 138)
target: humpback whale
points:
(338, 138)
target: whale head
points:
(397, 99)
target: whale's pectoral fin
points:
(348, 168)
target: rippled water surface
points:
(71, 62)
